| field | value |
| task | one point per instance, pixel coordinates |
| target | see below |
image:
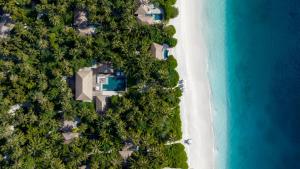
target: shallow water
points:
(213, 24)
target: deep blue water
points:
(263, 84)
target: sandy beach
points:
(192, 54)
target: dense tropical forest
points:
(44, 50)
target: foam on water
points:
(254, 71)
(214, 27)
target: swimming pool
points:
(157, 17)
(114, 84)
(166, 54)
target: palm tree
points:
(55, 20)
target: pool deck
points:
(96, 71)
(147, 13)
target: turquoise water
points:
(213, 26)
(254, 71)
(166, 54)
(157, 17)
(114, 84)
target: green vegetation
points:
(173, 75)
(39, 58)
(170, 30)
(169, 9)
(170, 12)
(177, 157)
(171, 42)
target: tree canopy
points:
(37, 62)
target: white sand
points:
(191, 53)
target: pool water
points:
(157, 17)
(166, 54)
(114, 84)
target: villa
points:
(6, 25)
(98, 83)
(149, 14)
(81, 22)
(160, 52)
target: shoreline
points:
(196, 108)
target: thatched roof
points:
(145, 19)
(106, 68)
(126, 152)
(6, 25)
(87, 30)
(157, 51)
(68, 123)
(67, 130)
(142, 10)
(69, 136)
(80, 18)
(142, 16)
(84, 85)
(100, 103)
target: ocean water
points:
(254, 71)
(262, 59)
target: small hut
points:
(87, 30)
(67, 131)
(80, 18)
(127, 150)
(81, 22)
(6, 25)
(100, 101)
(160, 52)
(69, 136)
